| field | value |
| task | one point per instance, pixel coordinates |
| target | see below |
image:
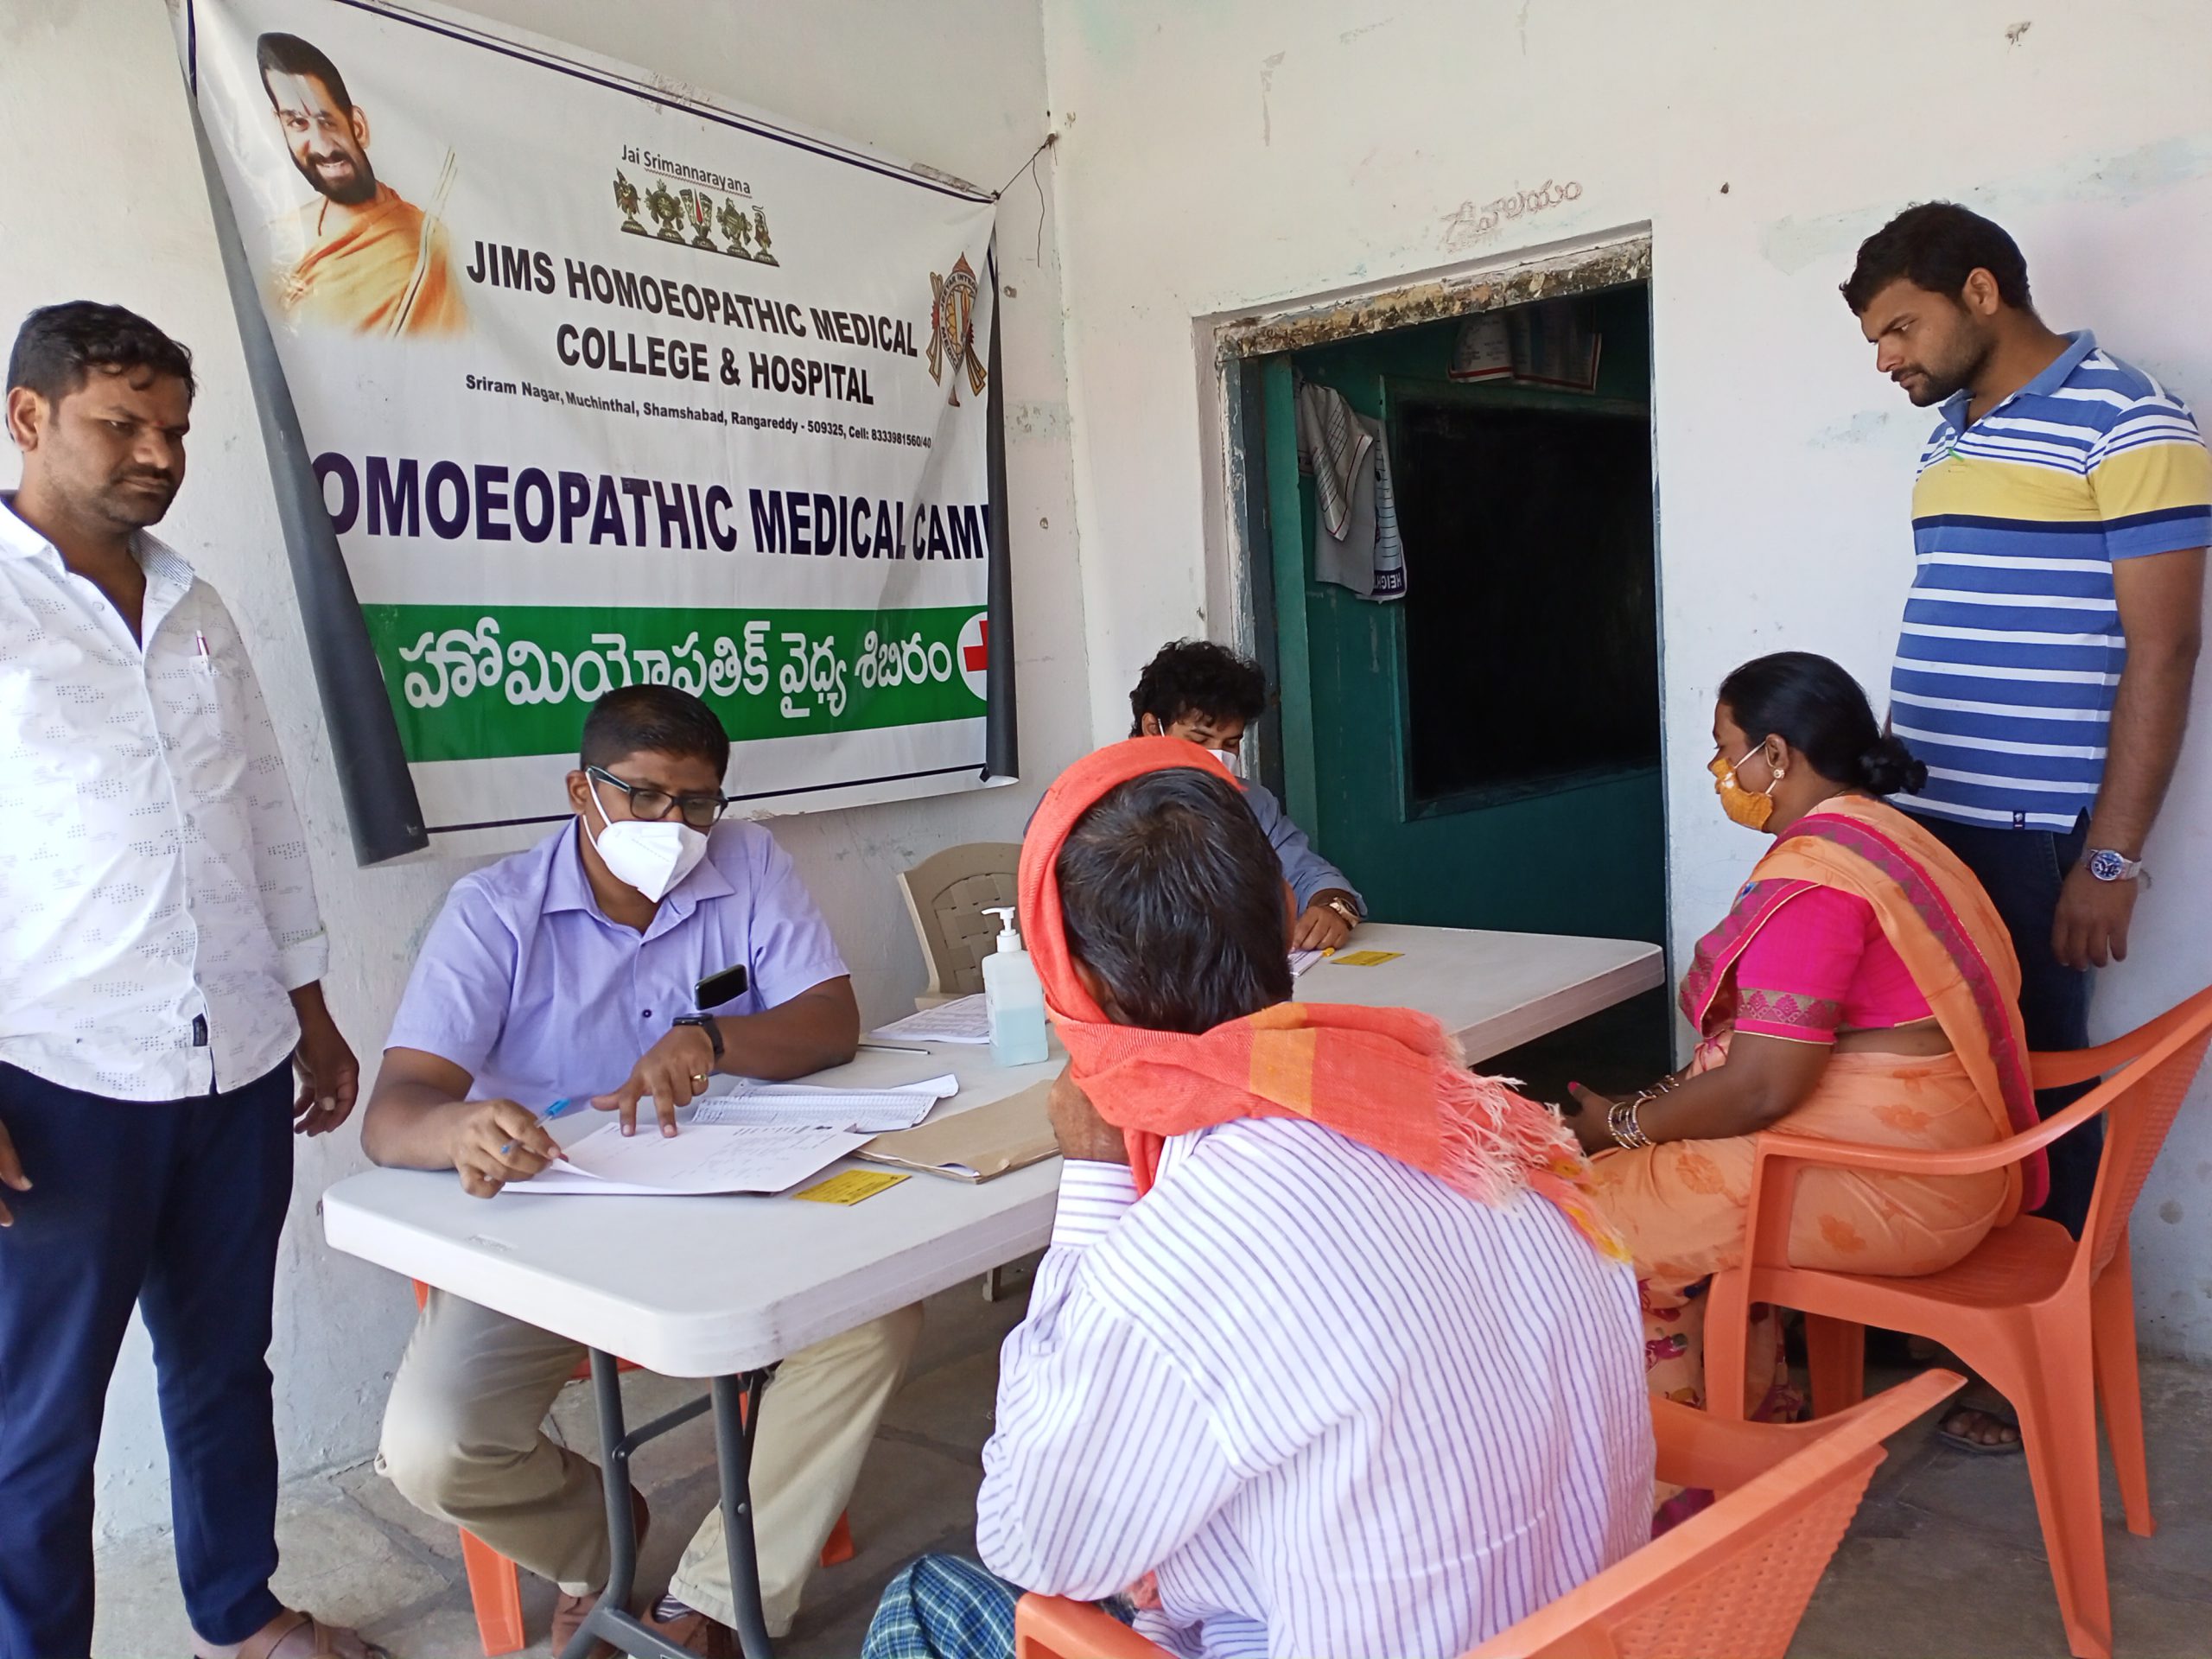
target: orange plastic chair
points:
(1733, 1579)
(2049, 1322)
(495, 1583)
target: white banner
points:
(604, 384)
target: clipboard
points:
(977, 1145)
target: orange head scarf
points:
(1388, 1078)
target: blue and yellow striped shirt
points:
(2012, 647)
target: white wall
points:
(102, 198)
(1238, 156)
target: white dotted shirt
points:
(155, 904)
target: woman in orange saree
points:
(1861, 989)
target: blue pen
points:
(551, 1112)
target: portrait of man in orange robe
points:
(371, 262)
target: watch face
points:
(2108, 866)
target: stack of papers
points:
(809, 1106)
(758, 1137)
(702, 1159)
(965, 1019)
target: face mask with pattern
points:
(1748, 808)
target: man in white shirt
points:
(161, 959)
(1302, 1397)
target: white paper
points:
(1301, 960)
(706, 1158)
(799, 1105)
(965, 1019)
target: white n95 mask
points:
(654, 858)
(1233, 762)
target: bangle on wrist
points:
(1621, 1122)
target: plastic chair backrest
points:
(1734, 1579)
(2142, 1098)
(946, 896)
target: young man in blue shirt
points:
(1207, 695)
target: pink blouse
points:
(1822, 963)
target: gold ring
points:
(699, 1079)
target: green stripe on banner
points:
(477, 683)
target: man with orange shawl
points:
(1326, 1358)
(372, 263)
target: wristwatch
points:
(706, 1022)
(1350, 916)
(2108, 866)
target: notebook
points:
(977, 1145)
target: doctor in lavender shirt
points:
(571, 969)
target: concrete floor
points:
(1945, 1558)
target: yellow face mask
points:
(1742, 806)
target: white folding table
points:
(725, 1288)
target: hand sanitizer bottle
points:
(1013, 996)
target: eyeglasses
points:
(651, 805)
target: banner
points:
(596, 385)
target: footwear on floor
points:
(570, 1611)
(694, 1630)
(1981, 1448)
(294, 1635)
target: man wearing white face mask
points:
(575, 970)
(1207, 695)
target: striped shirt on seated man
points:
(2060, 516)
(1328, 1359)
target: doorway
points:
(1484, 752)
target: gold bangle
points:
(1622, 1123)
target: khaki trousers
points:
(464, 1441)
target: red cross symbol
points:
(977, 657)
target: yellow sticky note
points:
(850, 1186)
(1364, 958)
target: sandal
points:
(2002, 1417)
(294, 1635)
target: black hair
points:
(1197, 677)
(1171, 895)
(1819, 711)
(1937, 245)
(59, 344)
(288, 54)
(653, 719)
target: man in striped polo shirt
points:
(2060, 517)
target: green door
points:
(1483, 753)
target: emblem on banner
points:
(973, 653)
(699, 207)
(952, 331)
(663, 206)
(628, 199)
(691, 215)
(737, 230)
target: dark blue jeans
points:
(175, 1207)
(2022, 870)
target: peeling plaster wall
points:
(97, 205)
(1250, 157)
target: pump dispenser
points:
(1014, 995)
